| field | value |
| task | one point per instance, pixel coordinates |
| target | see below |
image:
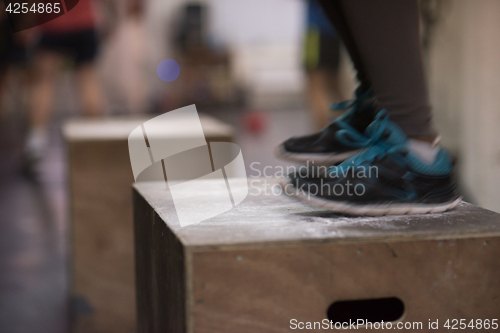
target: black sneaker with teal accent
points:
(325, 147)
(386, 178)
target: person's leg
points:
(322, 55)
(335, 12)
(85, 47)
(46, 66)
(3, 84)
(89, 87)
(319, 97)
(387, 36)
(410, 175)
(382, 37)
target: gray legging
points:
(383, 41)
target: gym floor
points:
(34, 219)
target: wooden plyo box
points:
(102, 241)
(273, 259)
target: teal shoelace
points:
(353, 106)
(375, 142)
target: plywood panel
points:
(261, 290)
(272, 259)
(102, 238)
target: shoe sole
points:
(320, 159)
(371, 210)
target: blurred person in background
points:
(73, 35)
(387, 147)
(123, 61)
(321, 61)
(13, 54)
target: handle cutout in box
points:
(371, 310)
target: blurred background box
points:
(272, 259)
(100, 177)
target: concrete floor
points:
(34, 243)
(33, 252)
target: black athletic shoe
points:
(325, 147)
(311, 174)
(383, 179)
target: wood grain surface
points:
(273, 259)
(102, 238)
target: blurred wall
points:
(464, 76)
(265, 37)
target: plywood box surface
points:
(273, 259)
(102, 241)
